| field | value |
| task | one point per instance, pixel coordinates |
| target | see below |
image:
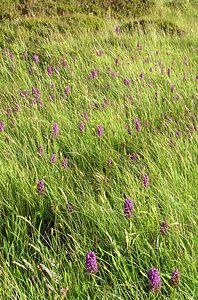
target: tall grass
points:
(82, 206)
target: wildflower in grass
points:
(35, 58)
(162, 71)
(93, 74)
(175, 276)
(109, 162)
(35, 92)
(41, 103)
(65, 163)
(128, 208)
(155, 279)
(142, 76)
(116, 61)
(34, 102)
(164, 227)
(127, 81)
(5, 50)
(99, 53)
(191, 129)
(151, 69)
(53, 159)
(196, 78)
(40, 150)
(24, 94)
(85, 115)
(82, 127)
(118, 29)
(55, 130)
(133, 156)
(64, 292)
(112, 73)
(169, 72)
(137, 124)
(145, 180)
(100, 131)
(70, 208)
(9, 112)
(91, 263)
(67, 90)
(2, 126)
(11, 55)
(172, 88)
(40, 186)
(49, 71)
(64, 63)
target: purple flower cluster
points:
(36, 92)
(65, 163)
(109, 162)
(41, 186)
(85, 115)
(142, 76)
(49, 71)
(127, 81)
(145, 180)
(2, 126)
(128, 208)
(118, 29)
(172, 88)
(91, 263)
(155, 279)
(100, 131)
(53, 159)
(137, 124)
(35, 58)
(67, 90)
(94, 73)
(133, 156)
(164, 228)
(82, 127)
(175, 276)
(55, 130)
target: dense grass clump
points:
(98, 159)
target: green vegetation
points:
(81, 208)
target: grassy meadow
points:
(90, 105)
